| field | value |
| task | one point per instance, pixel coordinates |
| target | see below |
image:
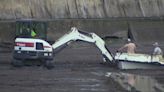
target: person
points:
(157, 49)
(33, 33)
(130, 46)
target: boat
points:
(139, 61)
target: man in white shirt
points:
(157, 49)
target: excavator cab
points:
(31, 29)
(30, 43)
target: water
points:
(136, 83)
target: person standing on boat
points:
(130, 46)
(157, 49)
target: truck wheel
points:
(17, 63)
(48, 64)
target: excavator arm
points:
(75, 35)
(99, 42)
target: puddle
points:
(136, 83)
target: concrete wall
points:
(143, 31)
(7, 31)
(54, 9)
(56, 29)
(101, 27)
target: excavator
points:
(38, 49)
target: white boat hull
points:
(139, 61)
(138, 65)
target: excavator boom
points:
(73, 35)
(76, 35)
